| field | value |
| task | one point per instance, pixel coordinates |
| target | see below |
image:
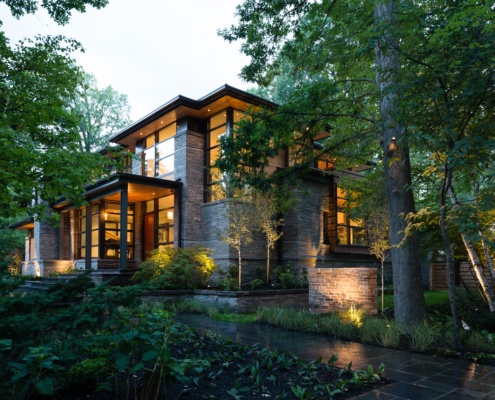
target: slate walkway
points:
(415, 376)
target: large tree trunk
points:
(409, 305)
(475, 261)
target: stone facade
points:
(308, 241)
(332, 289)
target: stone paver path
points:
(415, 376)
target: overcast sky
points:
(151, 50)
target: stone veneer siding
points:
(189, 168)
(333, 289)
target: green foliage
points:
(38, 373)
(285, 277)
(60, 12)
(257, 284)
(9, 282)
(88, 372)
(176, 268)
(230, 280)
(102, 112)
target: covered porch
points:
(126, 216)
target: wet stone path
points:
(415, 376)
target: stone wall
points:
(45, 268)
(215, 221)
(241, 301)
(333, 289)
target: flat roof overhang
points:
(139, 188)
(181, 106)
(25, 224)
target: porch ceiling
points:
(138, 193)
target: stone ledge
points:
(242, 301)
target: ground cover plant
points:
(433, 336)
(78, 341)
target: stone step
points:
(45, 283)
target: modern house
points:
(167, 196)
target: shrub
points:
(89, 372)
(331, 324)
(176, 268)
(285, 276)
(380, 332)
(422, 337)
(257, 284)
(230, 281)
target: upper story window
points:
(218, 125)
(158, 153)
(349, 231)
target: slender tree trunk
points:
(267, 262)
(449, 259)
(383, 284)
(409, 305)
(239, 279)
(475, 261)
(488, 257)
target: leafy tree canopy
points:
(60, 11)
(101, 112)
(38, 132)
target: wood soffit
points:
(182, 107)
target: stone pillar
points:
(189, 169)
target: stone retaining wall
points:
(240, 302)
(334, 289)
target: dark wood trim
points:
(87, 258)
(123, 226)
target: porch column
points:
(124, 201)
(87, 259)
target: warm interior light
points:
(141, 133)
(170, 215)
(106, 216)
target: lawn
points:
(432, 298)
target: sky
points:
(150, 50)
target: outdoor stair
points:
(44, 284)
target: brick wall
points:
(333, 289)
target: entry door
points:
(149, 234)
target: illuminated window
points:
(105, 220)
(218, 125)
(158, 153)
(349, 231)
(94, 218)
(111, 222)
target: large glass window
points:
(166, 221)
(105, 218)
(349, 231)
(158, 154)
(94, 218)
(112, 230)
(159, 227)
(218, 125)
(217, 128)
